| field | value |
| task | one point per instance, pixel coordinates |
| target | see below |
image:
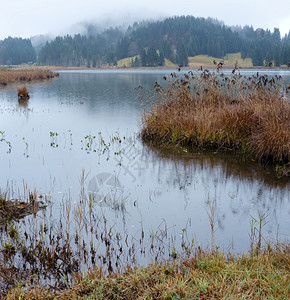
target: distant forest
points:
(15, 51)
(148, 44)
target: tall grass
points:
(20, 75)
(247, 114)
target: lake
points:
(76, 145)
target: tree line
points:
(150, 43)
(15, 51)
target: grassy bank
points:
(211, 111)
(20, 75)
(204, 275)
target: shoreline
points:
(204, 66)
(161, 68)
(199, 275)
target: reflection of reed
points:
(232, 165)
(23, 103)
(16, 209)
(237, 187)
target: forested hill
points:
(176, 39)
(15, 51)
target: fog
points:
(20, 18)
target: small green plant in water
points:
(53, 136)
(256, 226)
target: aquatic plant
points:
(213, 111)
(8, 76)
(49, 254)
(23, 94)
(3, 139)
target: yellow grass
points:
(232, 58)
(126, 62)
(169, 64)
(229, 61)
(199, 60)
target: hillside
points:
(173, 41)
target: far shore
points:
(195, 66)
(204, 66)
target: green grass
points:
(203, 275)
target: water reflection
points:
(83, 125)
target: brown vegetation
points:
(15, 209)
(23, 94)
(8, 76)
(251, 115)
(204, 275)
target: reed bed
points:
(16, 75)
(80, 253)
(213, 111)
(203, 275)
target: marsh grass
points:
(51, 248)
(15, 209)
(250, 115)
(23, 95)
(83, 254)
(8, 76)
(203, 275)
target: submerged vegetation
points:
(16, 75)
(213, 111)
(83, 255)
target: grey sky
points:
(26, 18)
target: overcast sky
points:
(26, 18)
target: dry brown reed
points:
(23, 94)
(251, 115)
(8, 76)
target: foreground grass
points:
(204, 275)
(209, 111)
(17, 75)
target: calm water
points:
(88, 121)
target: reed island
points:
(248, 115)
